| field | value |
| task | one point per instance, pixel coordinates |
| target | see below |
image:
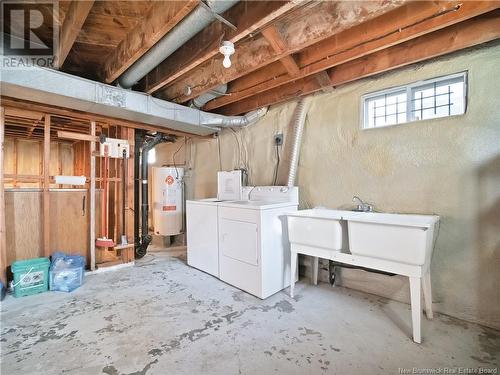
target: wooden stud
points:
(77, 136)
(46, 187)
(92, 223)
(73, 22)
(3, 242)
(15, 162)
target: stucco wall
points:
(449, 167)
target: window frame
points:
(409, 102)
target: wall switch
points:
(278, 139)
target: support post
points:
(92, 197)
(3, 243)
(46, 186)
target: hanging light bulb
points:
(227, 49)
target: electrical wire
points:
(218, 147)
(277, 165)
(173, 158)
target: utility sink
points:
(395, 237)
(319, 227)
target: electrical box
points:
(115, 148)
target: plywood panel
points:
(23, 225)
(68, 219)
(68, 224)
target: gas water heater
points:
(168, 200)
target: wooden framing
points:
(463, 35)
(3, 240)
(161, 18)
(400, 25)
(46, 186)
(92, 223)
(73, 22)
(247, 18)
(299, 30)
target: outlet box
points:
(115, 148)
(278, 139)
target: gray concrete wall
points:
(449, 167)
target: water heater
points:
(167, 200)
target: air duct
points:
(299, 119)
(203, 99)
(191, 25)
(54, 88)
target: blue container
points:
(66, 272)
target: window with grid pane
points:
(386, 109)
(438, 97)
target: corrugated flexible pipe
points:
(299, 119)
(191, 25)
(212, 119)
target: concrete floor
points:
(163, 317)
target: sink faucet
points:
(362, 206)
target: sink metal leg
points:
(293, 272)
(415, 287)
(315, 268)
(426, 286)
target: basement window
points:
(423, 100)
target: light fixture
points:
(227, 49)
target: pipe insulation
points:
(191, 25)
(298, 121)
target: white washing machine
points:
(202, 222)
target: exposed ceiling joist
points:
(316, 22)
(397, 26)
(463, 35)
(275, 40)
(73, 22)
(160, 19)
(247, 18)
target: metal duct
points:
(51, 87)
(299, 119)
(203, 99)
(234, 121)
(191, 25)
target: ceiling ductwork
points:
(59, 89)
(191, 25)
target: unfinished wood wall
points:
(24, 162)
(24, 223)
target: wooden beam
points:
(402, 24)
(315, 22)
(454, 38)
(77, 136)
(46, 186)
(160, 19)
(3, 234)
(73, 22)
(276, 41)
(247, 17)
(92, 222)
